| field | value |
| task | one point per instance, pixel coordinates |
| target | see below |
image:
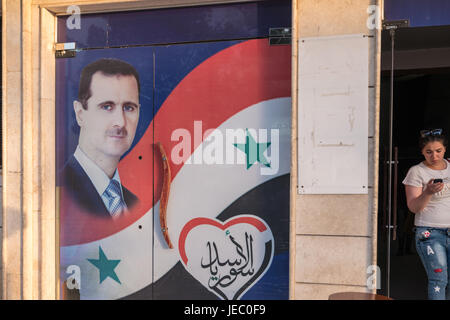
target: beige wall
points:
(335, 235)
(12, 165)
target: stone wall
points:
(335, 235)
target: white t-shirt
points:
(437, 211)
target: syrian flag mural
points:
(212, 217)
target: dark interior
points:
(421, 101)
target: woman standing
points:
(428, 196)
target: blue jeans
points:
(433, 247)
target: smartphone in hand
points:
(437, 180)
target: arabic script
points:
(225, 271)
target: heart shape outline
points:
(256, 222)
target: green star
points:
(253, 150)
(105, 266)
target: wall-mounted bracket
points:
(65, 50)
(280, 36)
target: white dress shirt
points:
(98, 177)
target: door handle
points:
(394, 209)
(385, 187)
(163, 201)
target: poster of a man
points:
(124, 128)
(107, 112)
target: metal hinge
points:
(278, 36)
(65, 50)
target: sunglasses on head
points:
(432, 132)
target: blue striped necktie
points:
(115, 202)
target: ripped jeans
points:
(433, 247)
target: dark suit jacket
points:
(80, 188)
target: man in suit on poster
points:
(107, 112)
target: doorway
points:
(421, 101)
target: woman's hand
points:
(433, 188)
(417, 199)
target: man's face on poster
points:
(108, 124)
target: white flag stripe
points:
(207, 190)
(198, 190)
